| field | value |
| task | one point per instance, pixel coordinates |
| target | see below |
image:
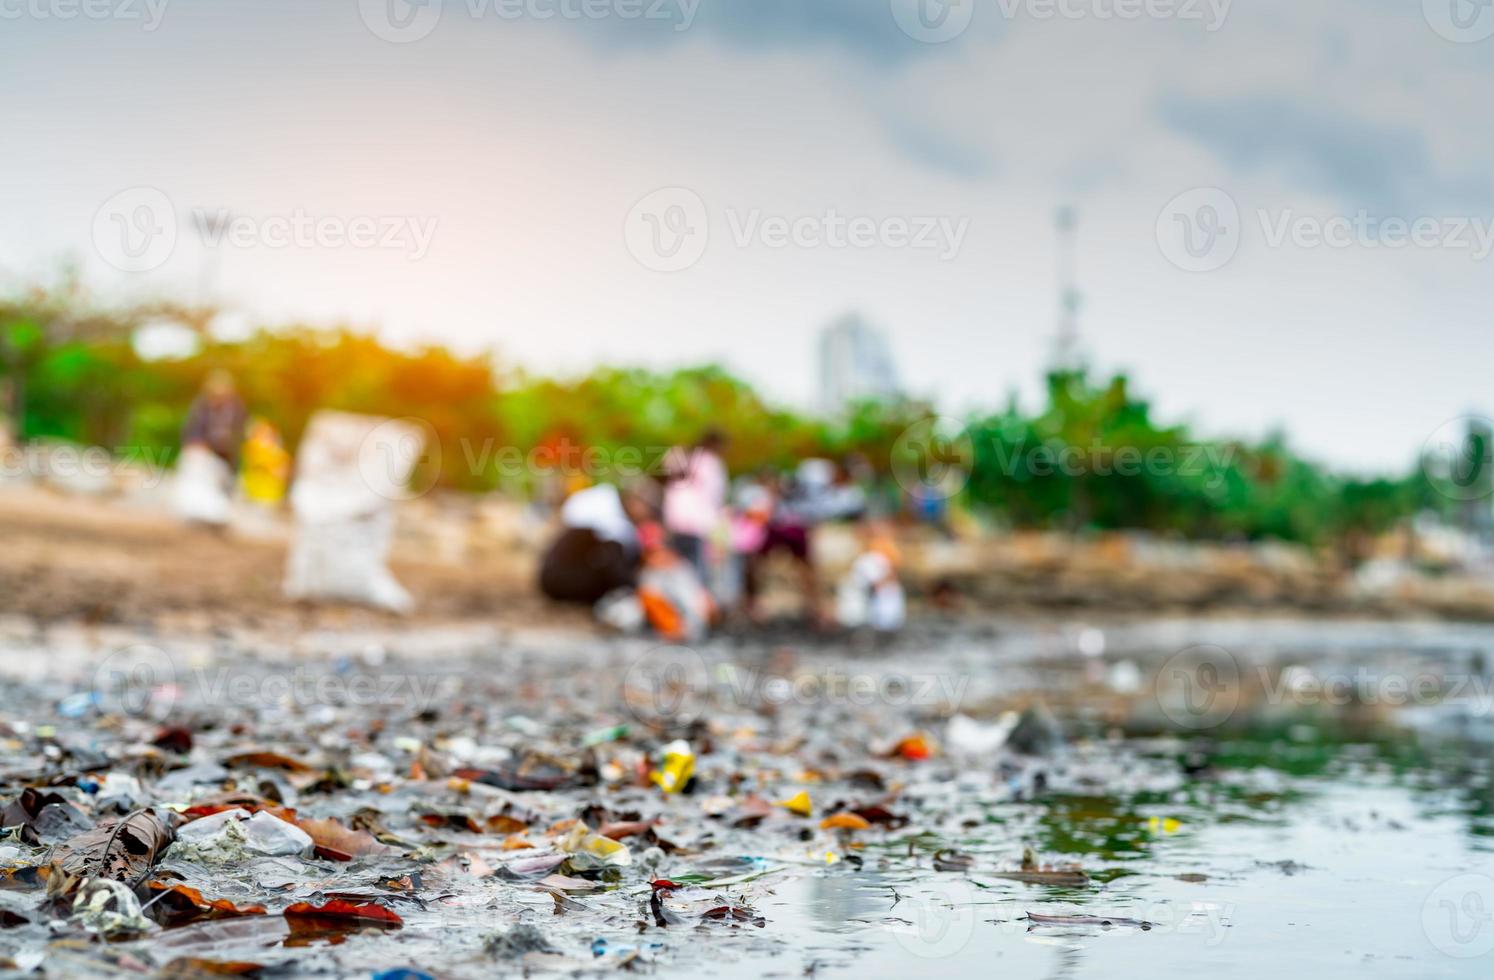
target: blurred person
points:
(211, 440)
(695, 499)
(673, 597)
(598, 549)
(266, 465)
(871, 593)
(217, 419)
(785, 525)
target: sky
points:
(1285, 210)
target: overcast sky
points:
(665, 182)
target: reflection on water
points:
(1301, 837)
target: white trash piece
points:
(202, 486)
(229, 833)
(349, 471)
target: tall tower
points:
(855, 364)
(1066, 355)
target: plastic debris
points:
(677, 769)
(233, 835)
(109, 908)
(589, 850)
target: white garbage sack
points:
(349, 471)
(202, 487)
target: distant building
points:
(855, 365)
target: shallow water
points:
(1302, 815)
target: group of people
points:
(678, 553)
(221, 443)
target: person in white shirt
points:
(695, 499)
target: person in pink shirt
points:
(695, 498)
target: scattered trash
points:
(232, 835)
(589, 850)
(677, 769)
(109, 908)
(1106, 922)
(1037, 732)
(799, 804)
